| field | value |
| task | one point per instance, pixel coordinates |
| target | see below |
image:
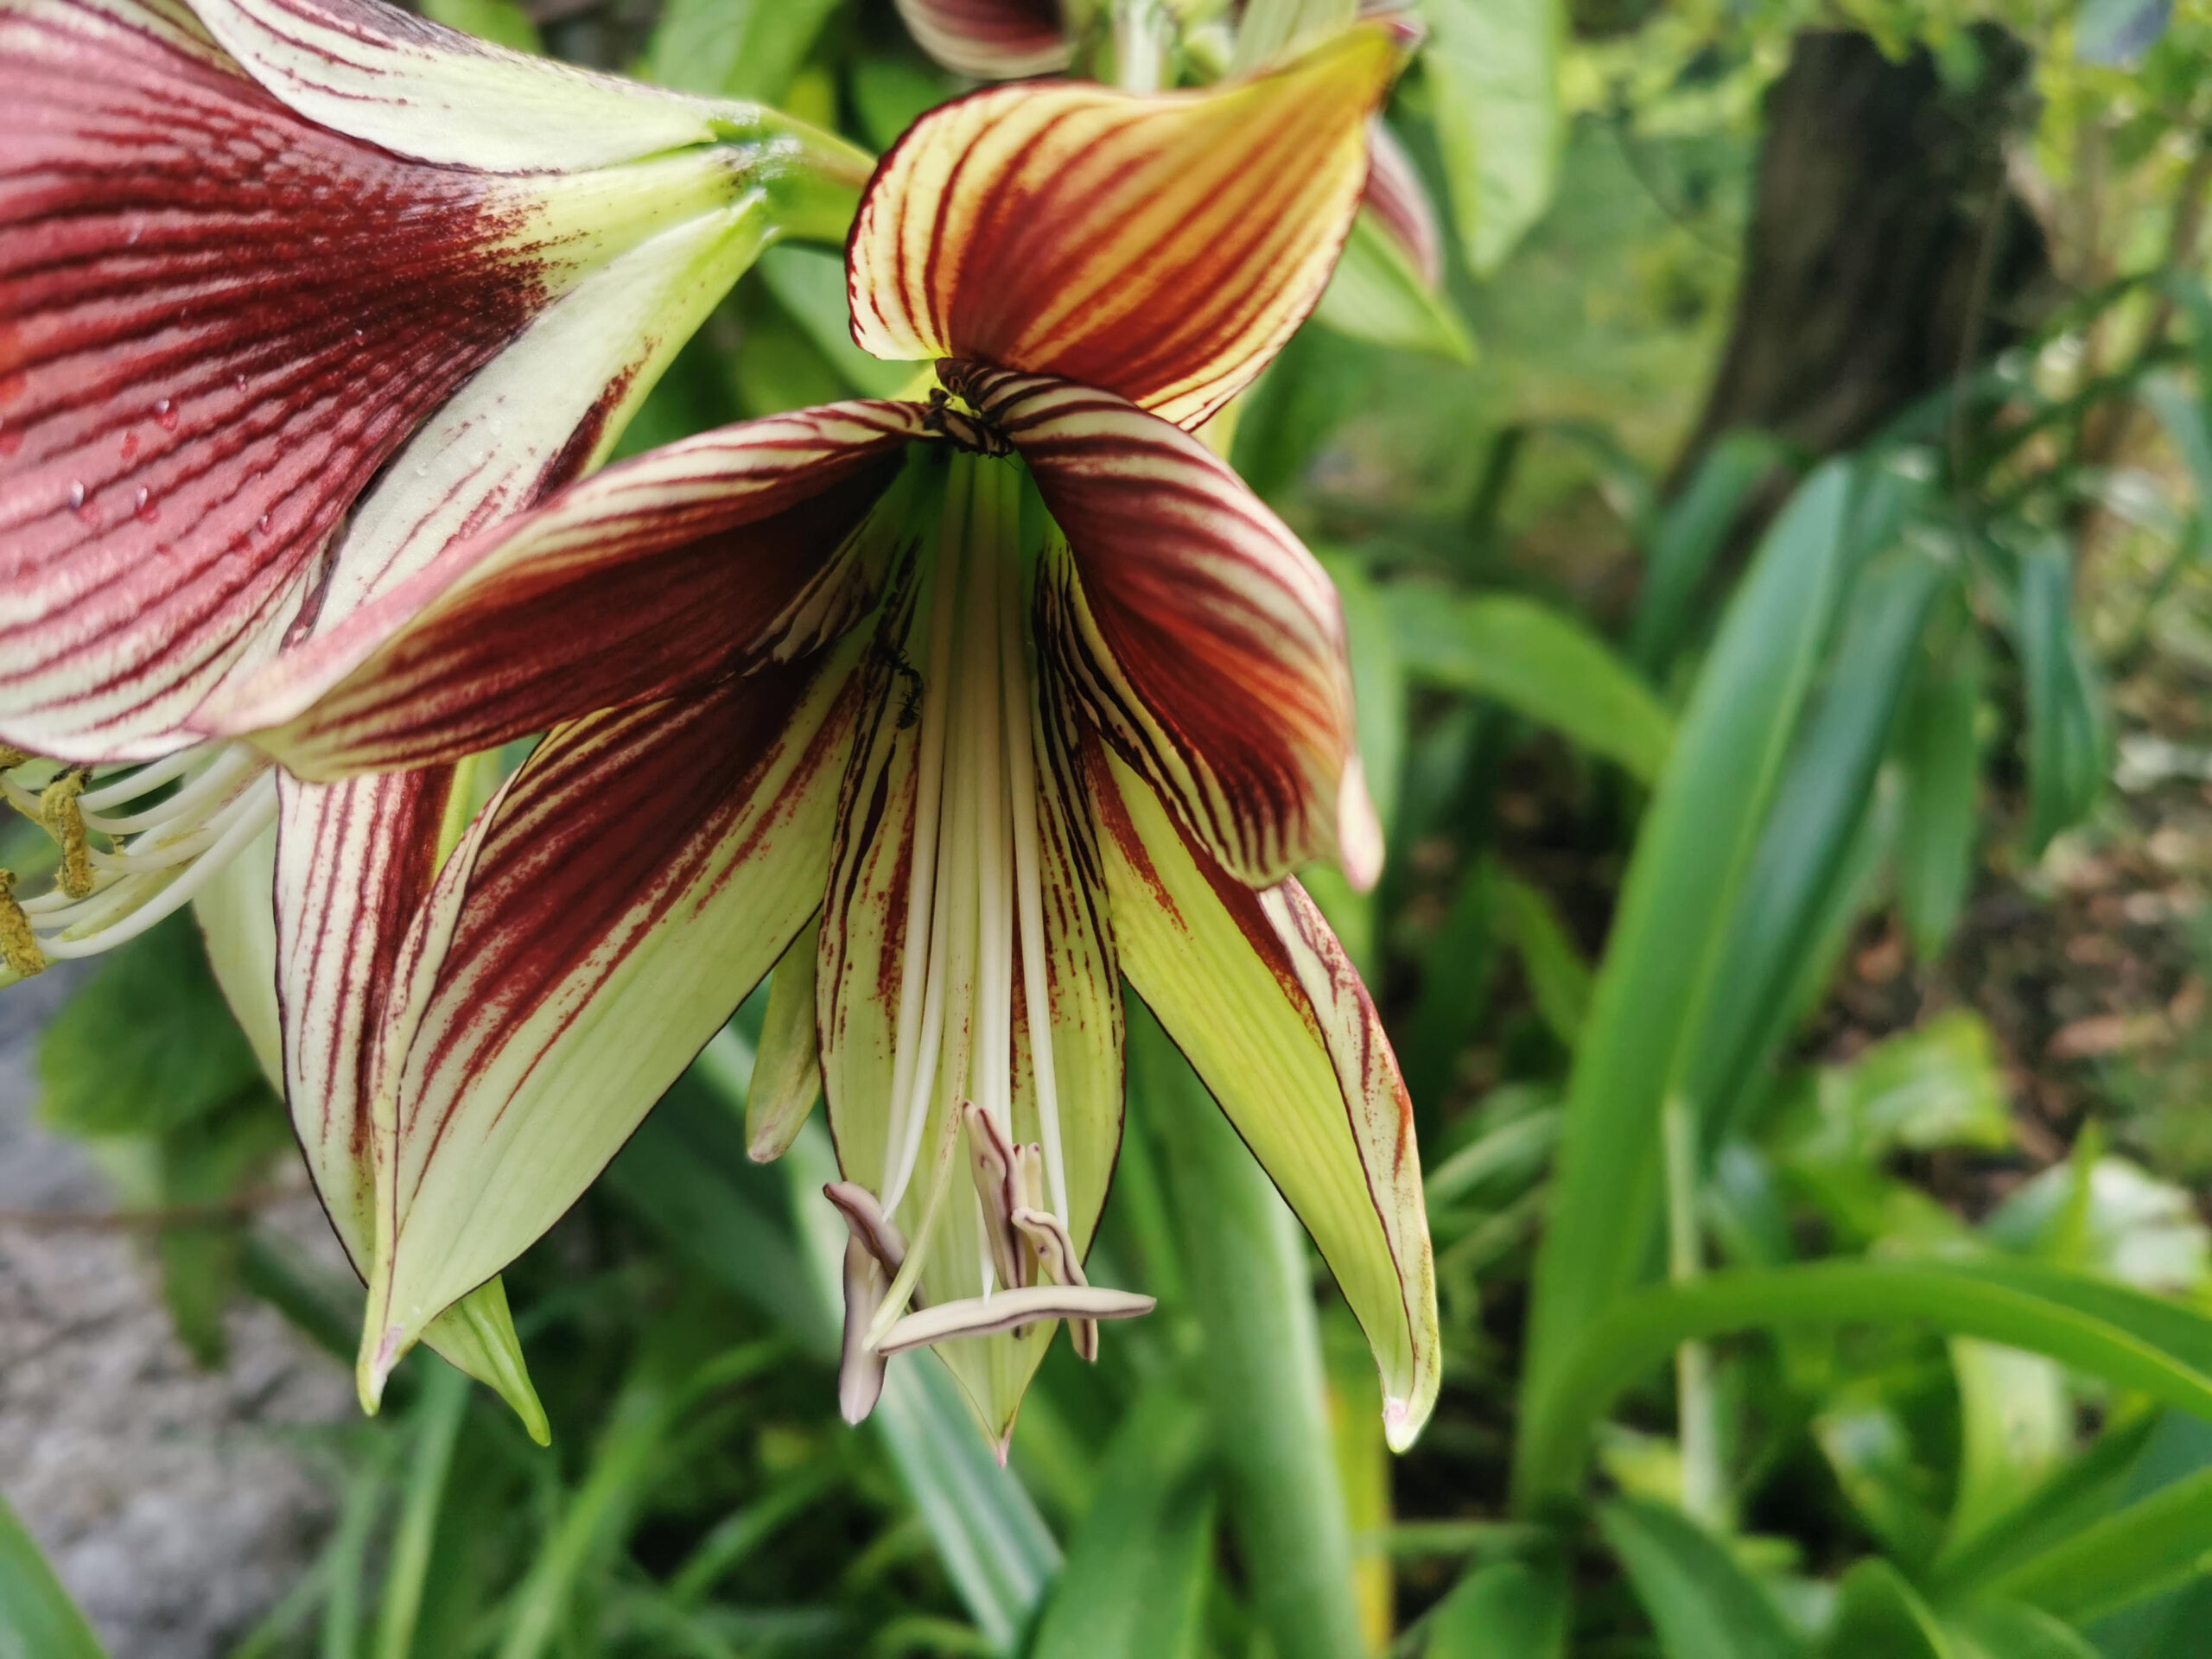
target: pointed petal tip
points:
(1359, 829)
(376, 1366)
(1401, 1425)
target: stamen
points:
(991, 1163)
(10, 758)
(63, 814)
(18, 944)
(1016, 700)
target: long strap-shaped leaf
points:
(2130, 1339)
(1670, 934)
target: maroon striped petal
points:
(1400, 204)
(1162, 247)
(1256, 989)
(693, 561)
(618, 899)
(990, 39)
(219, 321)
(354, 861)
(1195, 631)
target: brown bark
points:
(1885, 250)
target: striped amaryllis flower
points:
(965, 709)
(292, 293)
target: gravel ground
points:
(175, 1504)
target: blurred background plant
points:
(1774, 539)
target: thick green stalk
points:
(1251, 1289)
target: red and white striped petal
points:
(419, 89)
(222, 321)
(604, 915)
(1193, 628)
(353, 862)
(1162, 247)
(695, 561)
(1256, 989)
(1400, 204)
(990, 39)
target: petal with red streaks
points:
(353, 862)
(697, 560)
(1193, 628)
(618, 899)
(1256, 991)
(1400, 204)
(220, 321)
(1163, 247)
(990, 39)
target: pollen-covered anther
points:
(62, 812)
(10, 758)
(18, 944)
(962, 426)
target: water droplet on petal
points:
(76, 495)
(241, 383)
(130, 446)
(147, 510)
(262, 525)
(165, 415)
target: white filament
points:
(167, 849)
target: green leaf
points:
(1454, 987)
(1879, 1616)
(1702, 1603)
(2129, 1339)
(2066, 731)
(1376, 295)
(1933, 1087)
(503, 23)
(2151, 1545)
(149, 1045)
(1492, 67)
(809, 283)
(2107, 1216)
(1559, 979)
(890, 93)
(37, 1619)
(733, 49)
(1538, 662)
(1504, 1610)
(1687, 537)
(1149, 1530)
(1668, 933)
(2073, 1496)
(1804, 848)
(1941, 758)
(2010, 1631)
(2015, 1420)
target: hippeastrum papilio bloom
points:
(293, 293)
(966, 708)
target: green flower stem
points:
(1252, 1291)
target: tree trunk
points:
(1885, 250)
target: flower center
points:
(973, 884)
